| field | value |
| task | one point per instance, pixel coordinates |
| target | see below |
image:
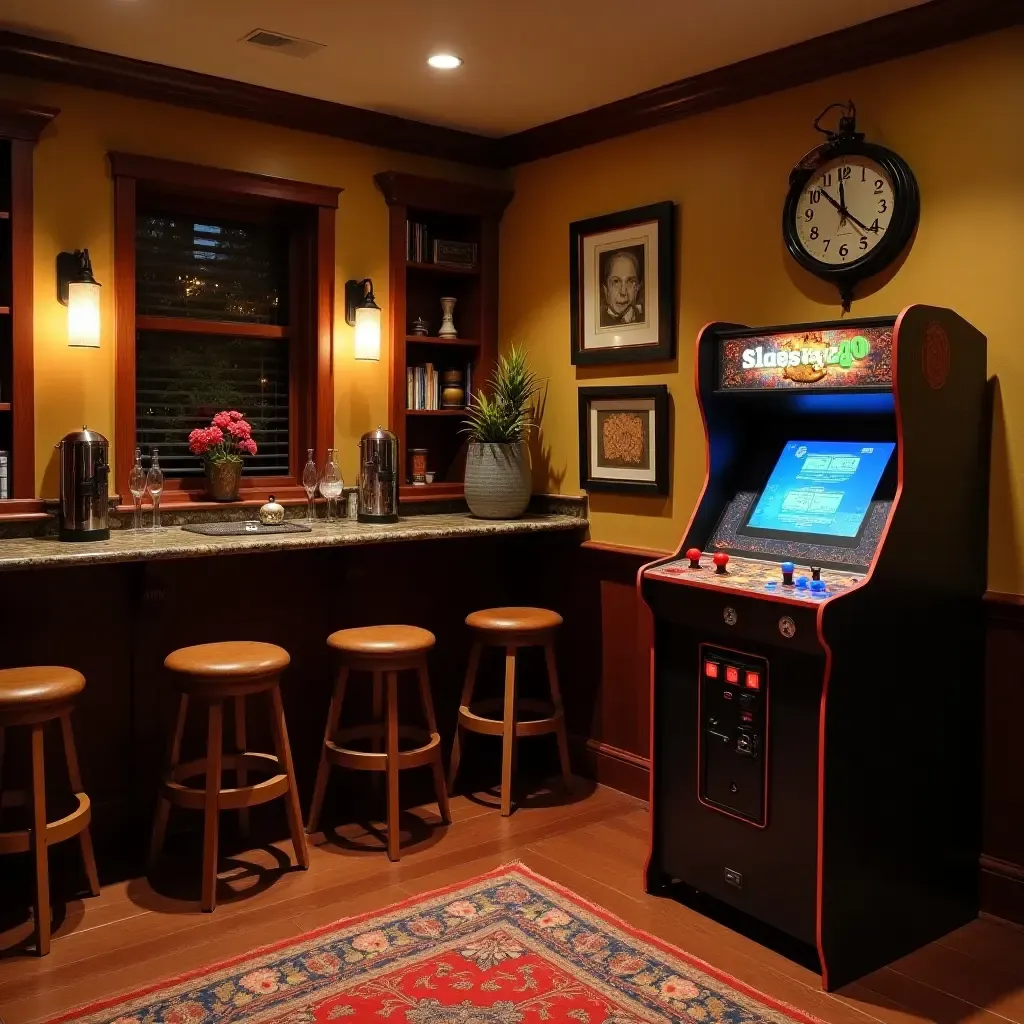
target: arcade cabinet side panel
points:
(900, 829)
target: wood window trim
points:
(312, 316)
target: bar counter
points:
(173, 542)
(115, 609)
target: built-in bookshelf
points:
(20, 127)
(443, 243)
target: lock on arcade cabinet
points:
(818, 655)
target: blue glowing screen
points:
(821, 487)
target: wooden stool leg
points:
(508, 736)
(75, 776)
(291, 799)
(556, 700)
(163, 805)
(241, 775)
(438, 766)
(214, 754)
(324, 771)
(39, 842)
(378, 719)
(464, 702)
(391, 750)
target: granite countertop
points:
(173, 542)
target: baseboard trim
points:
(1002, 888)
(612, 766)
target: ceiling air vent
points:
(288, 45)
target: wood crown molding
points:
(20, 121)
(401, 189)
(913, 30)
(197, 177)
(909, 31)
(52, 61)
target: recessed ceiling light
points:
(444, 61)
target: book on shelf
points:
(423, 387)
(417, 243)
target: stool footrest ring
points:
(56, 831)
(233, 798)
(361, 760)
(478, 717)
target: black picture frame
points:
(579, 231)
(659, 393)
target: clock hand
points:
(842, 202)
(843, 212)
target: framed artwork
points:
(624, 439)
(622, 286)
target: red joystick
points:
(693, 554)
(721, 560)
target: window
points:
(224, 300)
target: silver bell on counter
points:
(272, 513)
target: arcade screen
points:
(820, 490)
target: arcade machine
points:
(818, 654)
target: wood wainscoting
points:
(608, 638)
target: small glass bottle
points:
(309, 482)
(137, 485)
(155, 485)
(331, 484)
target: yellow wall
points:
(954, 114)
(74, 210)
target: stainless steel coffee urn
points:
(378, 477)
(84, 468)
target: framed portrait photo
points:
(624, 439)
(622, 286)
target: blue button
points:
(817, 585)
(770, 585)
(802, 581)
(787, 566)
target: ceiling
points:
(526, 62)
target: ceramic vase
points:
(447, 325)
(498, 480)
(222, 478)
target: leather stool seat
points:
(35, 686)
(228, 660)
(382, 640)
(514, 620)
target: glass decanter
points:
(331, 484)
(137, 485)
(155, 485)
(309, 482)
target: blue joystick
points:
(801, 582)
(787, 574)
(817, 586)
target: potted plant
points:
(222, 446)
(497, 460)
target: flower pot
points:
(222, 479)
(497, 480)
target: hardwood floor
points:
(132, 935)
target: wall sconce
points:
(80, 292)
(363, 313)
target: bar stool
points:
(512, 628)
(32, 697)
(383, 651)
(212, 674)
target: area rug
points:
(509, 947)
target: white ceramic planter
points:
(498, 480)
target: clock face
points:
(844, 211)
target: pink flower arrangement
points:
(229, 436)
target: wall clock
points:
(852, 206)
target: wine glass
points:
(331, 484)
(309, 482)
(155, 485)
(137, 485)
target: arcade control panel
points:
(755, 576)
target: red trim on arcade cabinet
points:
(660, 561)
(822, 712)
(766, 689)
(766, 595)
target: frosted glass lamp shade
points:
(367, 332)
(84, 314)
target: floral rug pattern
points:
(508, 947)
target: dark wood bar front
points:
(115, 622)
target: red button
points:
(753, 680)
(711, 669)
(732, 674)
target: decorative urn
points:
(272, 513)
